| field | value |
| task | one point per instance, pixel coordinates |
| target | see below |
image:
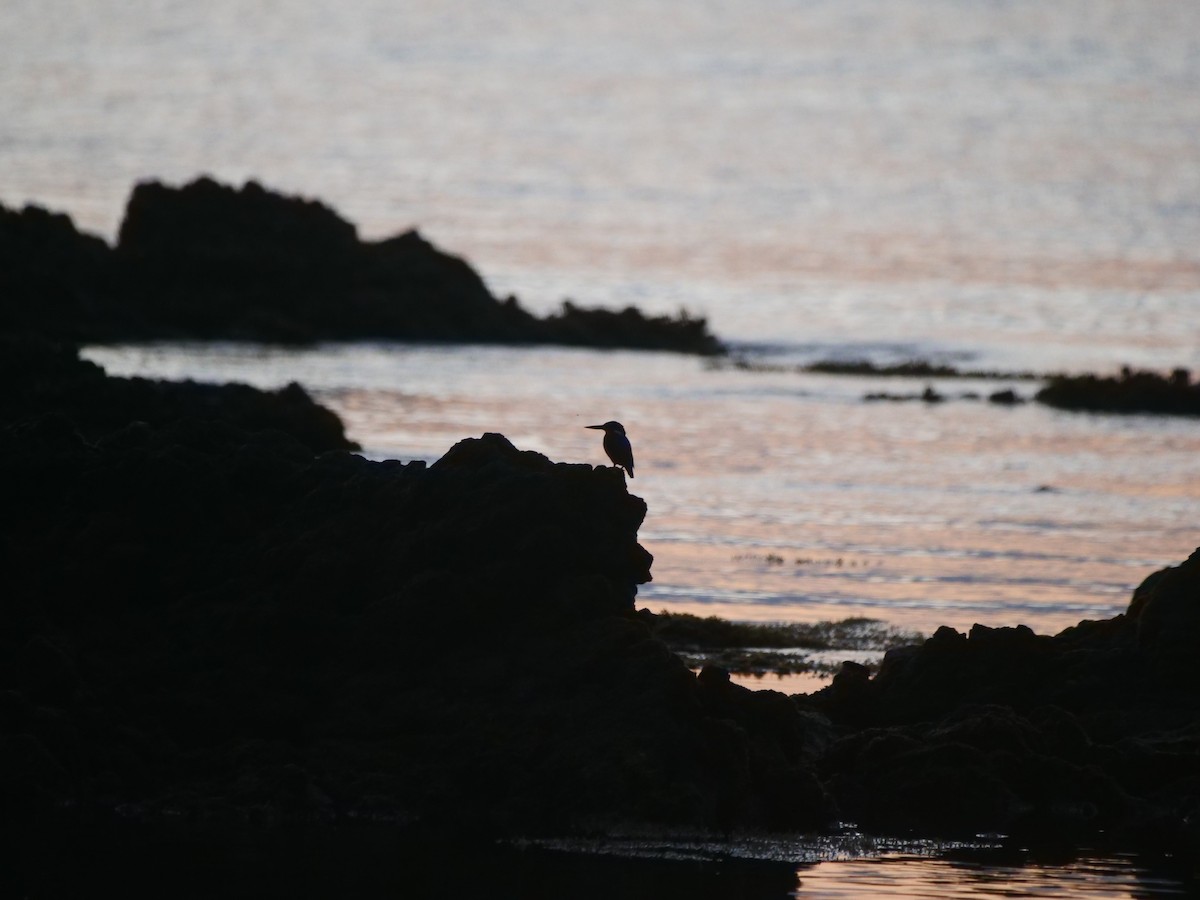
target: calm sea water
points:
(1013, 182)
(1002, 185)
(359, 861)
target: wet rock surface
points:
(208, 261)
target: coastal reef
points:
(215, 613)
(208, 261)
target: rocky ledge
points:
(210, 621)
(207, 261)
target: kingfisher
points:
(616, 445)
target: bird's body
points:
(617, 445)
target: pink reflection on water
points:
(912, 877)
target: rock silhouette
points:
(223, 619)
(208, 621)
(208, 261)
(41, 378)
(1129, 392)
(1085, 737)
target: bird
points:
(616, 445)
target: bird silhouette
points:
(616, 445)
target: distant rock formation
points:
(207, 261)
(1130, 392)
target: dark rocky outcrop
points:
(1129, 392)
(1089, 737)
(215, 624)
(207, 261)
(209, 620)
(40, 378)
(56, 281)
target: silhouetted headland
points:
(211, 616)
(207, 261)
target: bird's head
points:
(609, 427)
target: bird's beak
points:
(600, 427)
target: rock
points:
(1005, 397)
(42, 378)
(211, 620)
(44, 673)
(52, 277)
(28, 772)
(454, 646)
(218, 262)
(1165, 612)
(1058, 741)
(1129, 392)
(207, 261)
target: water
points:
(853, 866)
(1010, 182)
(945, 879)
(999, 185)
(357, 860)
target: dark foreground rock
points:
(40, 378)
(211, 624)
(207, 261)
(1087, 738)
